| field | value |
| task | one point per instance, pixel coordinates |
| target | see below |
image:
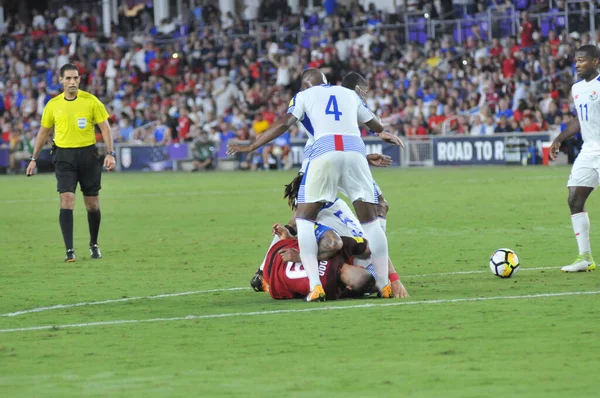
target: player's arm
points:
(109, 159)
(373, 122)
(329, 245)
(379, 160)
(356, 247)
(572, 128)
(40, 141)
(284, 125)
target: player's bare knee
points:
(382, 207)
(67, 200)
(365, 212)
(576, 204)
(91, 203)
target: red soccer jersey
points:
(289, 280)
(184, 124)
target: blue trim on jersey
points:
(328, 205)
(320, 230)
(308, 125)
(598, 78)
(326, 144)
(302, 189)
(376, 193)
(307, 150)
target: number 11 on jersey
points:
(332, 108)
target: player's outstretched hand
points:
(235, 148)
(281, 231)
(391, 138)
(379, 160)
(554, 148)
(109, 162)
(290, 255)
(399, 289)
(31, 168)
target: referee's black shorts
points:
(78, 165)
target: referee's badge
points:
(81, 122)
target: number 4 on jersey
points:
(332, 108)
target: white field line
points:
(229, 289)
(148, 195)
(121, 300)
(310, 309)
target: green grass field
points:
(196, 239)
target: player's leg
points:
(582, 181)
(581, 228)
(319, 184)
(66, 183)
(307, 243)
(90, 176)
(382, 210)
(258, 282)
(358, 183)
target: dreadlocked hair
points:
(291, 191)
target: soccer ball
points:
(504, 263)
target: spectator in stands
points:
(125, 133)
(503, 126)
(202, 152)
(209, 72)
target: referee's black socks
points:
(94, 224)
(66, 225)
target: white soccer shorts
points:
(338, 171)
(585, 171)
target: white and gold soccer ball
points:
(504, 263)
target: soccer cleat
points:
(258, 283)
(71, 257)
(317, 294)
(386, 292)
(95, 251)
(583, 263)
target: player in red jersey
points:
(286, 278)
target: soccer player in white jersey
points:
(337, 162)
(585, 172)
(335, 216)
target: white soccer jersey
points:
(307, 147)
(331, 115)
(338, 216)
(586, 96)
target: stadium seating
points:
(146, 75)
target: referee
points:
(73, 115)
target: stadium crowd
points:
(209, 78)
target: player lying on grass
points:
(285, 277)
(337, 161)
(335, 216)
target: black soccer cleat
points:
(258, 283)
(71, 257)
(95, 251)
